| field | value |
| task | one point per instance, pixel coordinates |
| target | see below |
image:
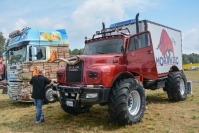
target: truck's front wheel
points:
(127, 101)
(49, 95)
(176, 86)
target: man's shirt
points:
(39, 83)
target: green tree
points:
(185, 59)
(2, 42)
(76, 51)
(191, 58)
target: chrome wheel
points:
(182, 87)
(134, 102)
(49, 95)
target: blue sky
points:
(83, 17)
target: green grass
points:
(160, 116)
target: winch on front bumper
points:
(75, 96)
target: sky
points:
(83, 18)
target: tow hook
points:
(78, 94)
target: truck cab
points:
(29, 50)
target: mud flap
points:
(189, 87)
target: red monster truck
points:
(118, 63)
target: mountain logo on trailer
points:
(166, 47)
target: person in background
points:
(39, 83)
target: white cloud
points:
(84, 20)
(5, 32)
(140, 5)
(43, 23)
(61, 25)
(191, 40)
(20, 24)
(87, 17)
(46, 22)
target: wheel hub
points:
(49, 95)
(134, 102)
(182, 87)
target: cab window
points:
(41, 53)
(139, 41)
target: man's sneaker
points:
(42, 120)
(37, 122)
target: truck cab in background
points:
(29, 50)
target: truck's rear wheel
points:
(127, 101)
(49, 95)
(176, 86)
(75, 111)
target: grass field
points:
(160, 116)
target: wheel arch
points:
(123, 76)
(174, 69)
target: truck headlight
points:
(72, 94)
(92, 74)
(59, 75)
(91, 95)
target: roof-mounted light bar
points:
(122, 23)
(17, 32)
(110, 30)
(116, 27)
(14, 33)
(26, 28)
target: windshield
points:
(104, 47)
(17, 55)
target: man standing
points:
(39, 83)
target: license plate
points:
(69, 103)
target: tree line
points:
(76, 51)
(2, 43)
(190, 58)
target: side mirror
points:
(11, 53)
(34, 53)
(123, 49)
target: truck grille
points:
(74, 73)
(13, 89)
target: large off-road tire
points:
(49, 95)
(127, 101)
(75, 111)
(176, 86)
